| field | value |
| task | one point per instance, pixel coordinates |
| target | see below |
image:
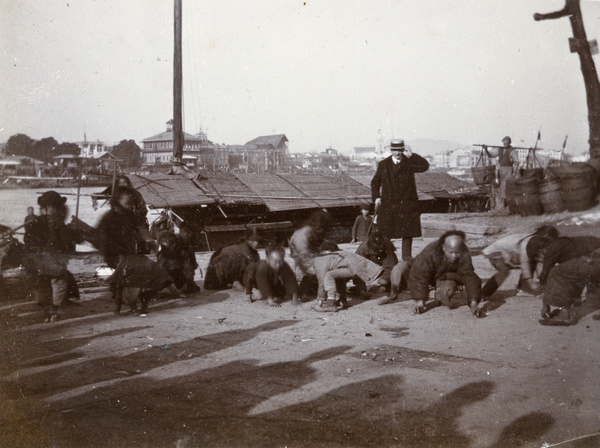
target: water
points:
(14, 203)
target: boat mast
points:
(177, 90)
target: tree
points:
(67, 148)
(44, 149)
(19, 145)
(129, 152)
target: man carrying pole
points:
(507, 167)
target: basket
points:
(486, 173)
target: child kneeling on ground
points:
(334, 267)
(137, 277)
(273, 277)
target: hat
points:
(507, 138)
(51, 198)
(397, 145)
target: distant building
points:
(364, 152)
(198, 150)
(91, 150)
(457, 158)
(265, 154)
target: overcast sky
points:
(337, 73)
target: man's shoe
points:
(563, 318)
(326, 306)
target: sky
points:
(326, 73)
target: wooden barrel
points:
(511, 193)
(527, 197)
(578, 187)
(538, 173)
(550, 192)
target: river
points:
(14, 203)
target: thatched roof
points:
(167, 190)
(276, 192)
(432, 185)
(226, 188)
(279, 192)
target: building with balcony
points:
(198, 150)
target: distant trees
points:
(129, 152)
(44, 149)
(19, 145)
(68, 148)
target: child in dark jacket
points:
(362, 225)
(273, 277)
(178, 258)
(226, 266)
(379, 250)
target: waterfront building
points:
(90, 149)
(198, 150)
(264, 154)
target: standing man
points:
(393, 188)
(50, 244)
(507, 168)
(29, 220)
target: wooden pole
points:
(177, 87)
(78, 188)
(580, 45)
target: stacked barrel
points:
(569, 187)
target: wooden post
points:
(579, 44)
(177, 87)
(80, 163)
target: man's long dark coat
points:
(398, 215)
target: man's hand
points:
(377, 202)
(408, 151)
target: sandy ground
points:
(213, 370)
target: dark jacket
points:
(271, 283)
(361, 227)
(565, 249)
(432, 266)
(228, 264)
(120, 235)
(398, 215)
(51, 235)
(387, 258)
(49, 244)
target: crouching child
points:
(273, 278)
(179, 260)
(137, 278)
(334, 267)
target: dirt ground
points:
(213, 370)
